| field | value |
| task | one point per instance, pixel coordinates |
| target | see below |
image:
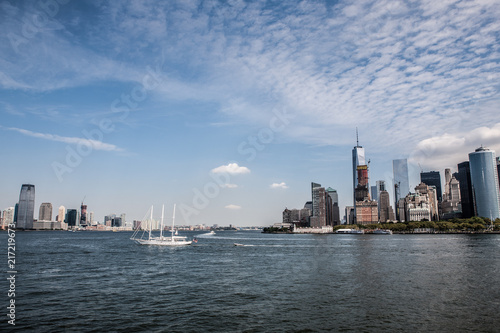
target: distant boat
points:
(211, 233)
(238, 244)
(349, 231)
(382, 232)
(161, 240)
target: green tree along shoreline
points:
(474, 224)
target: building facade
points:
(484, 177)
(26, 207)
(401, 181)
(466, 196)
(433, 178)
(45, 212)
(385, 210)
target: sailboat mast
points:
(150, 222)
(161, 228)
(173, 224)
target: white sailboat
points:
(161, 240)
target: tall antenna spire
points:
(357, 139)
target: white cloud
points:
(281, 185)
(95, 144)
(447, 150)
(232, 169)
(233, 207)
(229, 186)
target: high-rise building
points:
(315, 198)
(45, 212)
(62, 214)
(83, 215)
(374, 192)
(386, 212)
(401, 182)
(335, 211)
(484, 176)
(498, 170)
(466, 196)
(72, 218)
(320, 202)
(432, 178)
(358, 158)
(26, 207)
(8, 217)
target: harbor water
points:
(104, 282)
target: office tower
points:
(358, 158)
(72, 218)
(361, 191)
(335, 211)
(45, 212)
(315, 198)
(309, 205)
(8, 216)
(381, 186)
(447, 179)
(349, 214)
(83, 215)
(401, 183)
(451, 206)
(498, 170)
(91, 218)
(62, 214)
(484, 176)
(26, 207)
(432, 178)
(374, 192)
(386, 212)
(466, 196)
(319, 213)
(108, 219)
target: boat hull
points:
(162, 242)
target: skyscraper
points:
(335, 212)
(26, 207)
(83, 215)
(466, 196)
(62, 214)
(72, 218)
(432, 178)
(401, 182)
(484, 176)
(358, 158)
(386, 212)
(45, 212)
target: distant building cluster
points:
(22, 215)
(474, 190)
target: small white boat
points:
(382, 232)
(238, 244)
(211, 233)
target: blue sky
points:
(231, 108)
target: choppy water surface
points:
(103, 282)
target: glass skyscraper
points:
(26, 207)
(433, 178)
(463, 177)
(401, 182)
(484, 177)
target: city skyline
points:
(230, 110)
